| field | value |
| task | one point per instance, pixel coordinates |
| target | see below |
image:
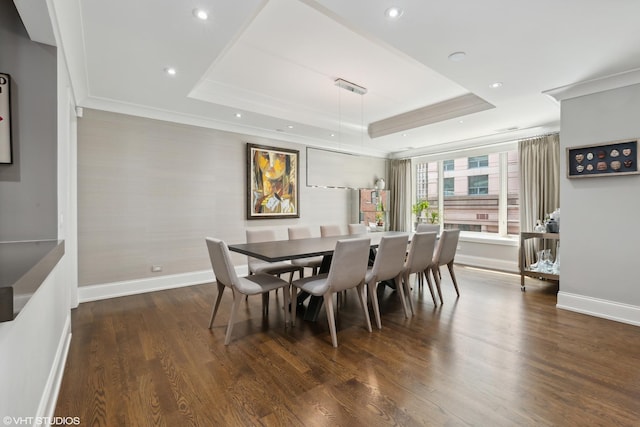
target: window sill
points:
(490, 239)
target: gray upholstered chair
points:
(388, 265)
(428, 228)
(444, 255)
(418, 261)
(348, 269)
(358, 229)
(226, 276)
(312, 262)
(259, 266)
(331, 230)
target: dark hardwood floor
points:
(494, 357)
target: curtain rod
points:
(539, 136)
(474, 147)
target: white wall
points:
(600, 227)
(33, 351)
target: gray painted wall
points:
(28, 189)
(600, 227)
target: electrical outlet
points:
(156, 268)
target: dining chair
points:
(312, 262)
(358, 229)
(226, 276)
(331, 230)
(259, 266)
(418, 261)
(428, 228)
(347, 270)
(388, 265)
(444, 255)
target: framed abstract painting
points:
(273, 189)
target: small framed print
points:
(272, 183)
(5, 119)
(610, 159)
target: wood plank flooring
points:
(494, 357)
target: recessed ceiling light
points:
(404, 134)
(290, 126)
(393, 13)
(201, 14)
(238, 115)
(460, 121)
(457, 56)
(495, 85)
(170, 70)
(332, 135)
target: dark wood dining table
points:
(283, 250)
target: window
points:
(477, 200)
(449, 186)
(427, 183)
(478, 162)
(478, 184)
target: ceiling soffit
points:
(445, 110)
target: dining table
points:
(284, 250)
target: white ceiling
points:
(275, 61)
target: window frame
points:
(481, 161)
(444, 187)
(502, 148)
(469, 187)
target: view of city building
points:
(472, 190)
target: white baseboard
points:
(49, 398)
(151, 284)
(488, 263)
(611, 310)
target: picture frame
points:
(6, 156)
(614, 158)
(273, 189)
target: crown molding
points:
(589, 87)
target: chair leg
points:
(373, 296)
(407, 288)
(453, 277)
(328, 305)
(403, 300)
(363, 303)
(435, 272)
(217, 304)
(426, 276)
(232, 318)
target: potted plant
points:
(419, 207)
(433, 217)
